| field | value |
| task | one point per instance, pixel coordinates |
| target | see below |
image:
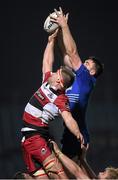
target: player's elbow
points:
(72, 52)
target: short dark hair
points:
(98, 66)
(68, 76)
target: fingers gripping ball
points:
(50, 26)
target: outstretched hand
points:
(81, 139)
(55, 147)
(61, 18)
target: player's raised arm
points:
(62, 49)
(69, 43)
(48, 57)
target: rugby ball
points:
(50, 26)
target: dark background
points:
(94, 25)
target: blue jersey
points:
(78, 95)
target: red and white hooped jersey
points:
(45, 104)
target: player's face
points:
(103, 175)
(57, 77)
(90, 65)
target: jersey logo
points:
(40, 95)
(50, 95)
(43, 151)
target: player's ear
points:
(92, 72)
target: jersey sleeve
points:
(62, 103)
(81, 69)
(46, 76)
(85, 75)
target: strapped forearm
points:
(71, 166)
(71, 48)
(68, 163)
